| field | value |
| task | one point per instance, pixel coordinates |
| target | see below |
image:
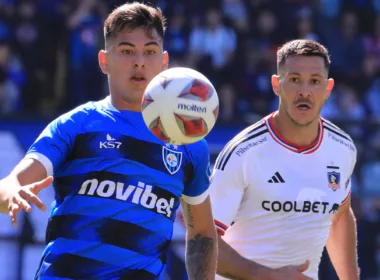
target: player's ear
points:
(165, 61)
(276, 84)
(102, 58)
(330, 85)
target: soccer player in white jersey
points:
(281, 188)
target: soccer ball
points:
(180, 106)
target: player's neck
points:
(123, 104)
(300, 135)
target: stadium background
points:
(48, 65)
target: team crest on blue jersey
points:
(334, 180)
(172, 159)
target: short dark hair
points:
(302, 47)
(134, 15)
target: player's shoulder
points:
(338, 136)
(198, 149)
(252, 131)
(79, 112)
(243, 144)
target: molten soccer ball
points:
(180, 106)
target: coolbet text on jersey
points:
(274, 201)
(117, 189)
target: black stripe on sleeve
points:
(237, 144)
(337, 133)
(225, 150)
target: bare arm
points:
(201, 241)
(31, 174)
(342, 244)
(27, 171)
(232, 265)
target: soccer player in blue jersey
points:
(116, 192)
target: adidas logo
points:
(276, 178)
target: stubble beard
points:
(302, 125)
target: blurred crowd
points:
(48, 53)
(48, 65)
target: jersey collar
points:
(292, 146)
(106, 102)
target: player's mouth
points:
(138, 79)
(303, 106)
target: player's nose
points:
(304, 90)
(139, 60)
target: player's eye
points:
(150, 52)
(127, 51)
(315, 81)
(294, 80)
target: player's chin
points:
(133, 94)
(138, 84)
(303, 117)
(135, 88)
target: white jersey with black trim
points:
(274, 200)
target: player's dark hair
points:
(302, 47)
(134, 15)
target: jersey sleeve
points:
(196, 190)
(227, 189)
(55, 142)
(347, 184)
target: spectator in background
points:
(266, 33)
(330, 9)
(348, 108)
(305, 26)
(254, 85)
(214, 43)
(346, 43)
(6, 13)
(12, 79)
(365, 12)
(236, 11)
(374, 145)
(372, 42)
(85, 37)
(52, 42)
(29, 43)
(372, 98)
(176, 37)
(367, 74)
(227, 97)
(9, 95)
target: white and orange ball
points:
(180, 106)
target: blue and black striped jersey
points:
(117, 188)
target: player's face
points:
(131, 61)
(302, 86)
